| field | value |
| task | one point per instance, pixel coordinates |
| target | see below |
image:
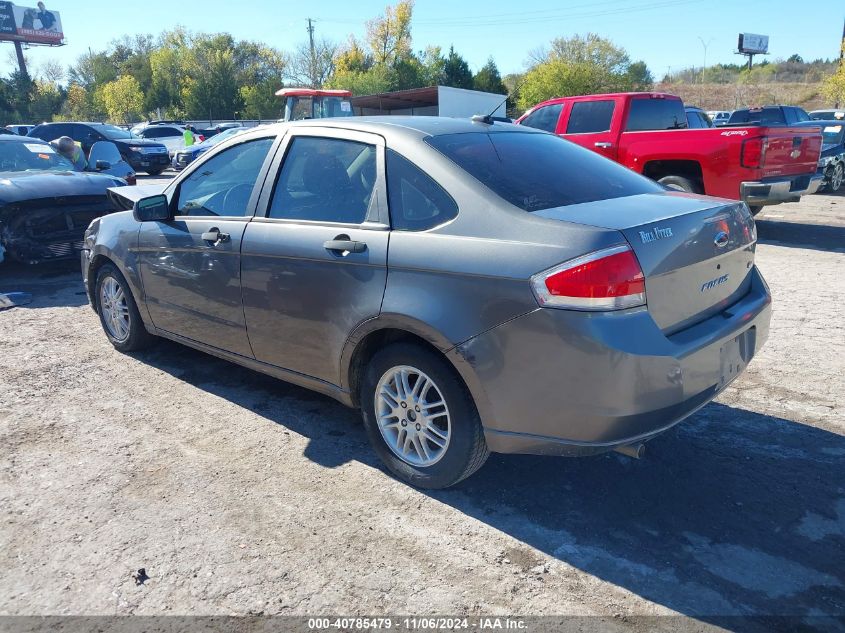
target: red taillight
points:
(131, 179)
(753, 152)
(610, 279)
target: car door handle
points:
(214, 235)
(603, 144)
(343, 245)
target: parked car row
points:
(141, 154)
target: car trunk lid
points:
(696, 253)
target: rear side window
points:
(590, 116)
(325, 180)
(656, 114)
(540, 171)
(544, 118)
(416, 201)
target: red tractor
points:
(308, 103)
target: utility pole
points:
(21, 60)
(312, 67)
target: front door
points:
(316, 266)
(190, 266)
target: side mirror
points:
(102, 165)
(152, 209)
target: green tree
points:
(581, 65)
(433, 63)
(211, 87)
(834, 86)
(260, 100)
(121, 99)
(389, 35)
(557, 79)
(78, 105)
(456, 72)
(45, 100)
(638, 78)
(488, 79)
(168, 68)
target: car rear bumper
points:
(560, 382)
(780, 189)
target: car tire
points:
(155, 172)
(679, 183)
(118, 311)
(836, 178)
(755, 210)
(447, 441)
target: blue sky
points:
(663, 33)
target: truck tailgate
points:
(790, 151)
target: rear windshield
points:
(539, 171)
(758, 115)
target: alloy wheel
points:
(114, 309)
(837, 177)
(412, 416)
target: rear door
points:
(589, 123)
(316, 265)
(190, 266)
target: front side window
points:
(544, 118)
(656, 114)
(590, 116)
(325, 180)
(223, 184)
(540, 171)
(416, 201)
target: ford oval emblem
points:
(721, 240)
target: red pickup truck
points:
(647, 132)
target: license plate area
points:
(735, 354)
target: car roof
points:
(409, 126)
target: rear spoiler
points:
(124, 198)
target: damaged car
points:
(45, 206)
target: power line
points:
(558, 15)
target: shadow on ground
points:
(51, 284)
(731, 513)
(820, 237)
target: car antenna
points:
(488, 119)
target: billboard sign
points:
(36, 25)
(753, 44)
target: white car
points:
(719, 117)
(172, 136)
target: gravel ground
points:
(240, 494)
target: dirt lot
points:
(240, 494)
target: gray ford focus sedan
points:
(470, 286)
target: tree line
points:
(187, 75)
